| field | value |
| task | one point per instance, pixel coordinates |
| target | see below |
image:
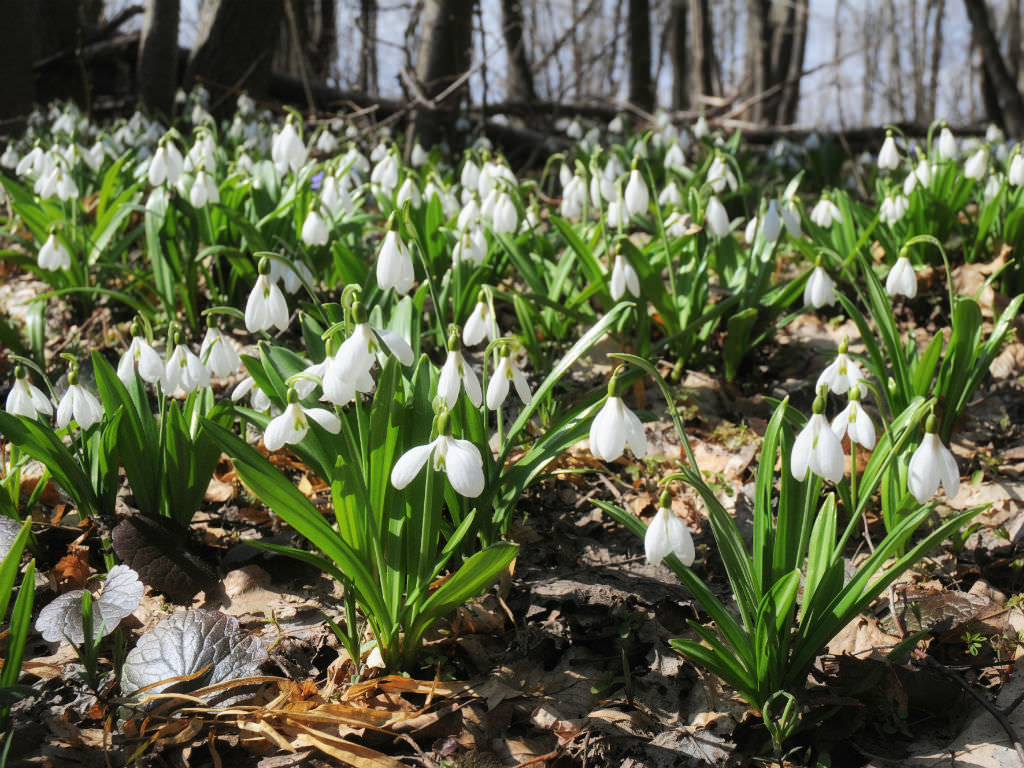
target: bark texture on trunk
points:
(368, 78)
(1007, 106)
(234, 47)
(641, 86)
(313, 45)
(445, 51)
(157, 70)
(519, 81)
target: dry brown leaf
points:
(863, 637)
(219, 491)
(72, 571)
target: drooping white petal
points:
(325, 418)
(464, 467)
(410, 464)
(497, 387)
(923, 472)
(448, 382)
(287, 429)
(399, 346)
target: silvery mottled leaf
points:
(9, 530)
(184, 644)
(62, 618)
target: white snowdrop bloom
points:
(244, 163)
(902, 279)
(574, 195)
(594, 189)
(385, 174)
(419, 156)
(204, 190)
(771, 225)
(674, 157)
(888, 156)
(825, 212)
(64, 186)
(459, 459)
(266, 307)
(26, 399)
(471, 247)
(841, 374)
(716, 220)
(670, 195)
(30, 162)
(314, 229)
(394, 265)
(678, 224)
(614, 429)
(893, 208)
(932, 464)
(994, 134)
(292, 425)
(637, 196)
(947, 144)
(141, 356)
(167, 165)
(817, 449)
(184, 372)
(855, 421)
(504, 217)
(617, 125)
(287, 150)
(1016, 173)
(923, 171)
(565, 175)
(993, 186)
(976, 164)
(80, 404)
(408, 193)
(909, 183)
(340, 381)
(624, 278)
(291, 274)
(348, 371)
(479, 326)
(257, 397)
(9, 159)
(701, 129)
(379, 152)
(468, 216)
(615, 214)
(750, 231)
(574, 130)
(469, 177)
(219, 354)
(668, 535)
(53, 255)
(202, 155)
(720, 175)
(497, 388)
(456, 374)
(820, 290)
(326, 143)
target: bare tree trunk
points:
(933, 74)
(368, 79)
(1008, 107)
(316, 30)
(158, 56)
(519, 78)
(234, 47)
(789, 39)
(679, 52)
(641, 86)
(756, 77)
(702, 51)
(16, 59)
(445, 53)
(895, 87)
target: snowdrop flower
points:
(497, 388)
(469, 177)
(456, 374)
(574, 130)
(888, 156)
(855, 421)
(993, 186)
(327, 143)
(750, 231)
(292, 425)
(668, 535)
(53, 255)
(674, 157)
(78, 403)
(141, 356)
(615, 214)
(771, 225)
(947, 144)
(167, 165)
(820, 290)
(638, 198)
(470, 246)
(701, 128)
(1016, 173)
(459, 459)
(842, 373)
(266, 307)
(893, 209)
(9, 159)
(26, 399)
(314, 230)
(394, 265)
(184, 371)
(574, 196)
(715, 218)
(385, 174)
(505, 217)
(678, 224)
(290, 274)
(287, 150)
(976, 164)
(219, 354)
(615, 427)
(923, 172)
(617, 125)
(257, 397)
(931, 464)
(902, 279)
(204, 190)
(480, 325)
(670, 195)
(825, 212)
(624, 278)
(720, 175)
(817, 449)
(408, 193)
(348, 371)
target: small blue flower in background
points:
(316, 181)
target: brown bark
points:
(786, 60)
(316, 30)
(16, 59)
(519, 80)
(157, 71)
(234, 47)
(445, 51)
(641, 86)
(368, 80)
(757, 63)
(678, 50)
(1009, 111)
